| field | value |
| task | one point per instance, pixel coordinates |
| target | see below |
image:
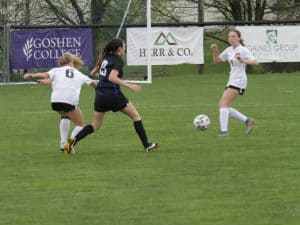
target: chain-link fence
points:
(104, 35)
(2, 52)
(101, 34)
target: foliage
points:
(286, 10)
(233, 10)
(286, 67)
(22, 12)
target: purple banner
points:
(42, 48)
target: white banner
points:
(169, 46)
(273, 43)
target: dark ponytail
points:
(110, 48)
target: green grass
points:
(196, 178)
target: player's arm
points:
(215, 52)
(253, 62)
(36, 75)
(247, 60)
(113, 77)
(44, 81)
(93, 84)
(94, 71)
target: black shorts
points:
(241, 90)
(104, 103)
(62, 107)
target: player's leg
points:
(64, 127)
(98, 118)
(77, 118)
(101, 105)
(226, 100)
(237, 114)
(131, 111)
(240, 116)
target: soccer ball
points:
(201, 122)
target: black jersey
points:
(106, 87)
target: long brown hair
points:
(110, 48)
(239, 34)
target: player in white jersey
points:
(238, 57)
(66, 82)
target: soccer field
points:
(196, 178)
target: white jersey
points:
(66, 84)
(238, 77)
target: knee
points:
(223, 105)
(136, 117)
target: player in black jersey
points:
(109, 96)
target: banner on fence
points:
(43, 47)
(169, 46)
(273, 43)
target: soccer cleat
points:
(70, 147)
(223, 134)
(152, 147)
(249, 125)
(62, 147)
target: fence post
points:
(6, 57)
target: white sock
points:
(64, 127)
(224, 116)
(237, 115)
(76, 131)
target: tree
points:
(240, 10)
(174, 11)
(286, 10)
(62, 12)
(98, 9)
(23, 12)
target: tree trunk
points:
(27, 12)
(260, 9)
(97, 12)
(249, 10)
(78, 11)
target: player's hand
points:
(135, 88)
(27, 76)
(238, 56)
(214, 47)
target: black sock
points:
(139, 128)
(88, 129)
